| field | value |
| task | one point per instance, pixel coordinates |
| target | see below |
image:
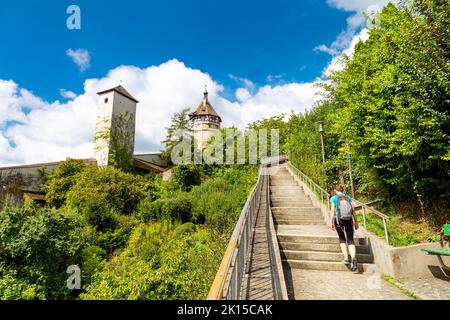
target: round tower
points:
(205, 122)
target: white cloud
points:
(271, 77)
(247, 83)
(81, 58)
(67, 94)
(53, 131)
(355, 22)
(243, 94)
(336, 63)
(356, 5)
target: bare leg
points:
(352, 250)
(344, 250)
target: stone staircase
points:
(305, 240)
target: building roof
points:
(205, 108)
(34, 196)
(142, 164)
(122, 91)
(47, 164)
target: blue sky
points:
(259, 59)
(250, 39)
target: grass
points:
(395, 283)
(401, 231)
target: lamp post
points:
(321, 139)
(349, 158)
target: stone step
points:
(316, 239)
(283, 184)
(328, 247)
(299, 222)
(287, 188)
(293, 193)
(303, 215)
(284, 197)
(325, 265)
(295, 210)
(290, 204)
(321, 256)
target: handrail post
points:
(385, 231)
(364, 216)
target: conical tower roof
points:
(205, 108)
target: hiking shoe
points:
(354, 265)
(347, 262)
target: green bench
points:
(440, 253)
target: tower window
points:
(106, 100)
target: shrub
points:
(217, 202)
(178, 209)
(37, 245)
(187, 175)
(59, 181)
(168, 265)
(92, 257)
(149, 210)
(185, 228)
(118, 190)
(98, 214)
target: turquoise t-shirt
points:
(334, 200)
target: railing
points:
(325, 199)
(228, 281)
(278, 281)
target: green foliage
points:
(118, 133)
(93, 261)
(187, 175)
(219, 201)
(160, 263)
(98, 214)
(110, 187)
(388, 109)
(176, 209)
(36, 246)
(180, 126)
(59, 181)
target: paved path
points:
(339, 285)
(258, 281)
(429, 288)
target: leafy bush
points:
(169, 265)
(177, 209)
(93, 259)
(217, 202)
(99, 214)
(37, 245)
(149, 210)
(59, 181)
(187, 175)
(114, 188)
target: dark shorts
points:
(344, 230)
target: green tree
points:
(179, 127)
(59, 181)
(36, 247)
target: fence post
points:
(364, 216)
(385, 231)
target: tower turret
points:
(205, 121)
(115, 128)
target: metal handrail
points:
(227, 284)
(324, 195)
(228, 281)
(278, 281)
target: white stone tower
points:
(205, 122)
(115, 128)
